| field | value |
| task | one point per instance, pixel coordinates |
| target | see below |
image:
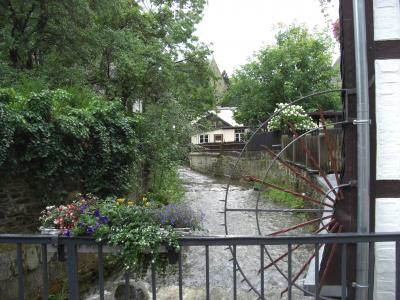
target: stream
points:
(202, 194)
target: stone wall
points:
(32, 265)
(254, 163)
(206, 162)
(19, 208)
(19, 212)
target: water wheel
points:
(318, 187)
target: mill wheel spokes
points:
(318, 210)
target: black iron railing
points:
(71, 244)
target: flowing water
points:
(202, 194)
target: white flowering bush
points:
(294, 115)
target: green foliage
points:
(299, 64)
(284, 199)
(122, 50)
(57, 144)
(166, 185)
(128, 50)
(164, 132)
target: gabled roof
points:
(226, 115)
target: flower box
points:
(60, 249)
(137, 232)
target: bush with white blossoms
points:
(294, 115)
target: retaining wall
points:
(254, 163)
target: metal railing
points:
(70, 244)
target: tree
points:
(297, 65)
(125, 49)
(118, 50)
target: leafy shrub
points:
(166, 186)
(60, 144)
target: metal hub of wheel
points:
(319, 204)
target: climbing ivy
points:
(59, 144)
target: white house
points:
(221, 127)
(386, 14)
(383, 62)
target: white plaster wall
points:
(229, 136)
(387, 220)
(387, 74)
(386, 19)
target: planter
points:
(51, 231)
(172, 255)
(183, 231)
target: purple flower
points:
(96, 213)
(67, 232)
(90, 229)
(84, 207)
(180, 215)
(103, 220)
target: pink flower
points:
(71, 206)
(336, 29)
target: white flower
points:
(294, 115)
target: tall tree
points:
(143, 50)
(298, 64)
(126, 49)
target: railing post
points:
(153, 282)
(20, 272)
(316, 271)
(343, 272)
(127, 291)
(234, 272)
(397, 269)
(262, 271)
(207, 273)
(101, 270)
(72, 261)
(180, 274)
(45, 276)
(289, 272)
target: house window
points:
(239, 135)
(203, 138)
(218, 138)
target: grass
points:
(283, 198)
(60, 295)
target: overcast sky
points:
(235, 29)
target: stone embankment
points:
(254, 163)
